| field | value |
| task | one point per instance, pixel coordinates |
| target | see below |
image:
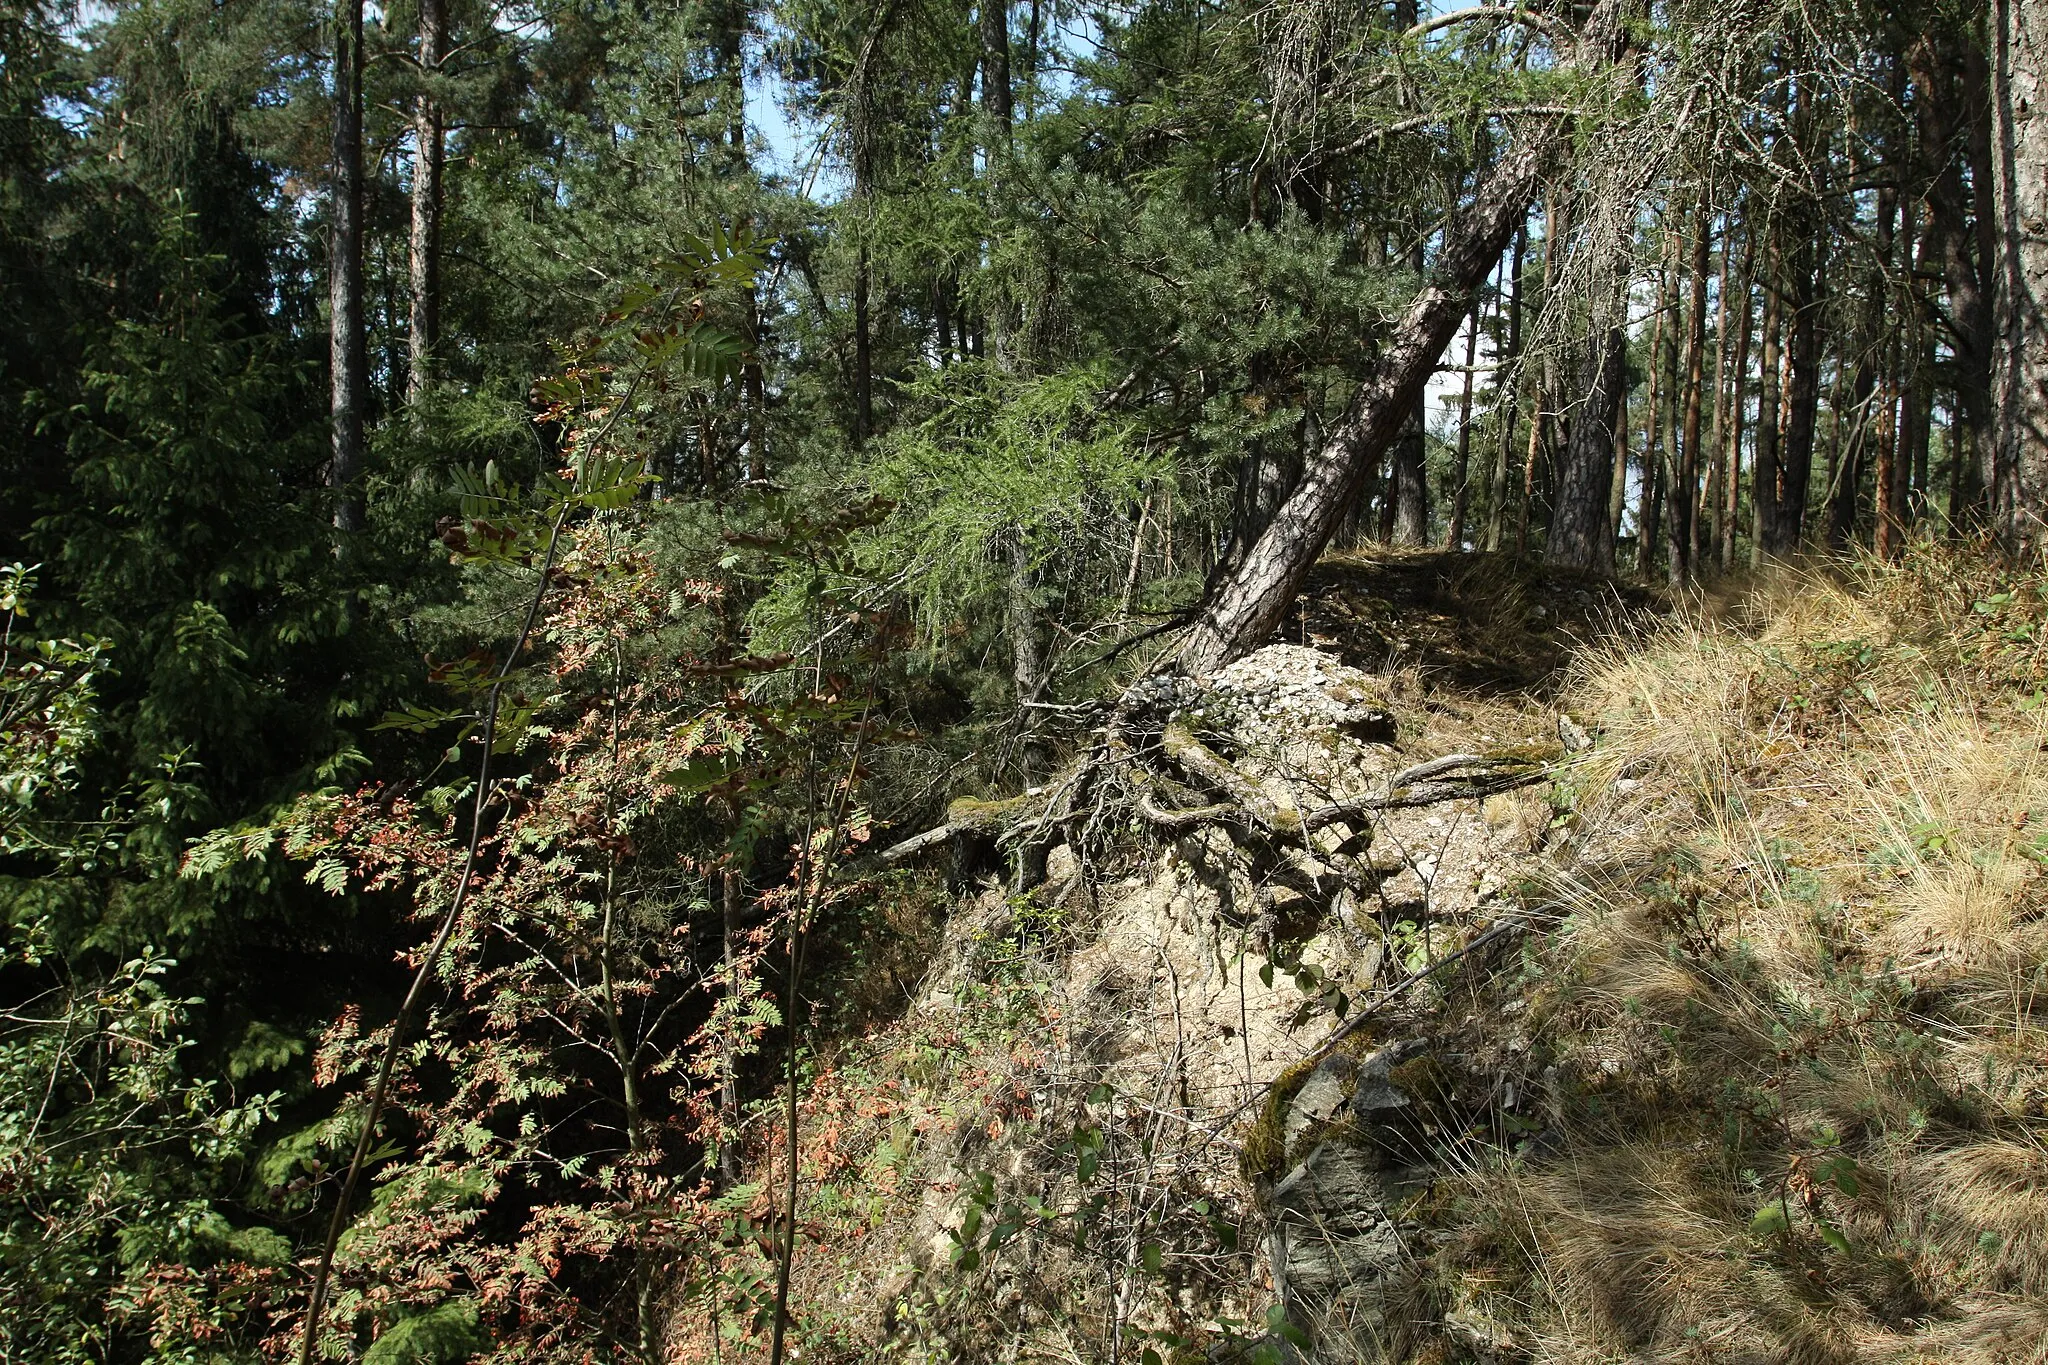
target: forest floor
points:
(1474, 623)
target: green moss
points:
(1264, 1153)
(1423, 1079)
(968, 813)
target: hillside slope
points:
(1714, 1044)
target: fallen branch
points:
(1380, 1002)
(1506, 773)
(918, 843)
(965, 816)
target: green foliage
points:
(439, 1336)
(47, 715)
(113, 1156)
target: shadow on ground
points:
(1475, 622)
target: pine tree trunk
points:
(1915, 419)
(1892, 473)
(1244, 607)
(347, 358)
(1943, 84)
(1545, 391)
(1580, 536)
(754, 391)
(1411, 480)
(1685, 531)
(1617, 492)
(1028, 659)
(1454, 533)
(1738, 400)
(994, 26)
(429, 158)
(1581, 531)
(1922, 390)
(1714, 498)
(1866, 428)
(2018, 482)
(1802, 396)
(1650, 512)
(1764, 496)
(1676, 495)
(1506, 398)
(1410, 472)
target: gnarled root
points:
(1120, 772)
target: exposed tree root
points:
(1166, 776)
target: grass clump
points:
(1796, 1077)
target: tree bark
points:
(1866, 403)
(1454, 533)
(994, 25)
(2018, 482)
(1738, 382)
(1580, 537)
(429, 158)
(1650, 512)
(1915, 420)
(754, 391)
(1505, 396)
(1409, 475)
(1581, 531)
(1717, 449)
(1670, 432)
(1242, 608)
(1028, 656)
(1410, 479)
(1895, 435)
(347, 357)
(1617, 493)
(1764, 496)
(1545, 390)
(1802, 396)
(1737, 410)
(1943, 83)
(1684, 498)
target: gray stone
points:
(1322, 1096)
(1336, 1255)
(1374, 1092)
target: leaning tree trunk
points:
(348, 360)
(2018, 485)
(1243, 607)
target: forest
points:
(601, 598)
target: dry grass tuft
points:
(1797, 1092)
